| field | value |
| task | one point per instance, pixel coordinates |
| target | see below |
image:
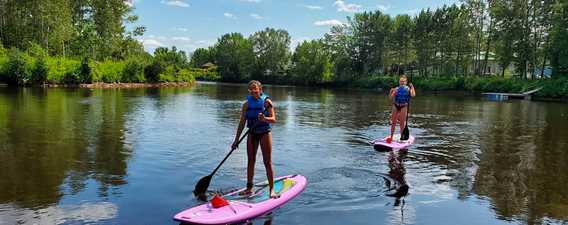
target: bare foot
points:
(246, 192)
(273, 195)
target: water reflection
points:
(67, 136)
(83, 213)
(142, 150)
(519, 169)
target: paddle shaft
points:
(230, 152)
(408, 109)
(240, 140)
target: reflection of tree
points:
(521, 162)
(57, 134)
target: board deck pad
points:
(396, 143)
(242, 208)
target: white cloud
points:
(256, 16)
(184, 43)
(333, 22)
(412, 12)
(181, 39)
(346, 7)
(182, 29)
(198, 44)
(177, 3)
(313, 7)
(229, 15)
(255, 1)
(151, 43)
(383, 8)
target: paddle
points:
(203, 183)
(406, 133)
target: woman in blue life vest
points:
(400, 97)
(258, 112)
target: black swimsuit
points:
(258, 136)
(399, 107)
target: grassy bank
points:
(552, 88)
(27, 68)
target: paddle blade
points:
(202, 185)
(405, 133)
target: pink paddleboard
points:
(396, 143)
(242, 208)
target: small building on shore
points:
(208, 65)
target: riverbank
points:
(124, 85)
(552, 89)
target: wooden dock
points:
(505, 96)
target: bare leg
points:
(266, 148)
(402, 115)
(252, 147)
(394, 117)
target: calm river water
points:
(133, 156)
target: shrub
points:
(134, 71)
(60, 67)
(18, 68)
(108, 71)
(40, 71)
(85, 72)
(152, 72)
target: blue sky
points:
(191, 24)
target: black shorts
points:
(258, 136)
(399, 107)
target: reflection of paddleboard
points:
(396, 143)
(242, 208)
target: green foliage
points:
(201, 56)
(205, 74)
(184, 75)
(40, 72)
(171, 75)
(36, 51)
(271, 48)
(85, 72)
(108, 71)
(559, 45)
(18, 68)
(134, 71)
(171, 57)
(152, 72)
(312, 64)
(379, 82)
(554, 88)
(3, 61)
(60, 67)
(234, 56)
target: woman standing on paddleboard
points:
(258, 112)
(401, 96)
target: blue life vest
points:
(402, 95)
(256, 106)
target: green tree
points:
(271, 48)
(338, 43)
(401, 40)
(172, 57)
(234, 57)
(559, 37)
(370, 30)
(424, 41)
(201, 56)
(312, 63)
